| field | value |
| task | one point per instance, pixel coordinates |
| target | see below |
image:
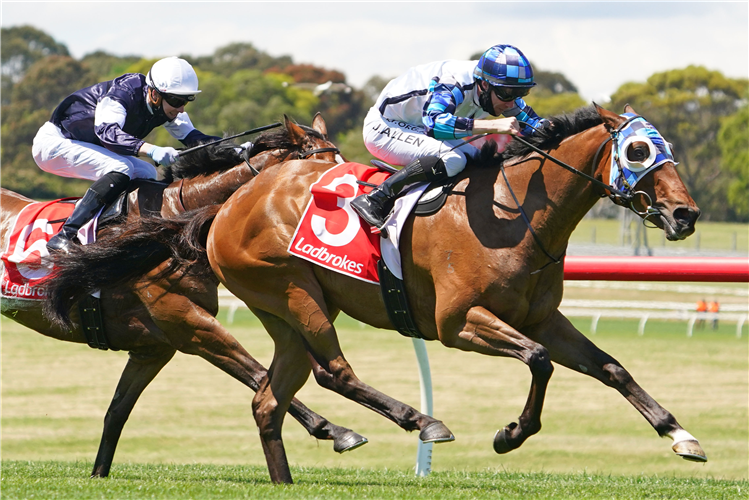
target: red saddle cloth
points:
(26, 262)
(331, 234)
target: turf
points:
(63, 480)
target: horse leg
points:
(570, 348)
(140, 370)
(482, 332)
(199, 333)
(309, 316)
(287, 374)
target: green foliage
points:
(46, 83)
(687, 106)
(21, 47)
(107, 66)
(733, 139)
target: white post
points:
(424, 450)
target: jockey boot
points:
(101, 193)
(375, 206)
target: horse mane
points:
(223, 156)
(208, 160)
(550, 135)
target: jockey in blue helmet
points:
(422, 118)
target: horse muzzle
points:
(679, 223)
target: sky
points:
(597, 45)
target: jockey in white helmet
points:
(97, 133)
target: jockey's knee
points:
(454, 162)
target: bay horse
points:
(154, 318)
(479, 275)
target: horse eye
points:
(637, 152)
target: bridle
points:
(617, 196)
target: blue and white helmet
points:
(504, 66)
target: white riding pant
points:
(56, 154)
(399, 143)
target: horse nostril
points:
(686, 216)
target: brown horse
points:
(477, 276)
(470, 277)
(155, 318)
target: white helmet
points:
(173, 75)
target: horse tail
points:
(127, 253)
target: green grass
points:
(192, 434)
(64, 480)
(716, 236)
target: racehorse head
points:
(642, 165)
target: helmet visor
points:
(507, 94)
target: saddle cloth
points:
(25, 261)
(331, 234)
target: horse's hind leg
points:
(309, 317)
(140, 370)
(570, 348)
(482, 332)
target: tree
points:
(237, 56)
(733, 139)
(687, 106)
(45, 84)
(107, 66)
(22, 46)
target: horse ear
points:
(629, 109)
(296, 133)
(318, 123)
(610, 120)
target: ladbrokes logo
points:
(322, 255)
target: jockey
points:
(97, 133)
(421, 118)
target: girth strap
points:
(396, 302)
(92, 323)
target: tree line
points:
(703, 113)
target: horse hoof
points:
(500, 439)
(690, 450)
(350, 441)
(436, 432)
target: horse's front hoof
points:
(690, 450)
(436, 432)
(350, 441)
(500, 439)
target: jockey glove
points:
(163, 156)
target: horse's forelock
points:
(280, 139)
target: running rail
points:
(706, 269)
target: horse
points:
(482, 274)
(151, 321)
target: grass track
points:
(63, 480)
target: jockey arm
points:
(442, 124)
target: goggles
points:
(177, 101)
(507, 94)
